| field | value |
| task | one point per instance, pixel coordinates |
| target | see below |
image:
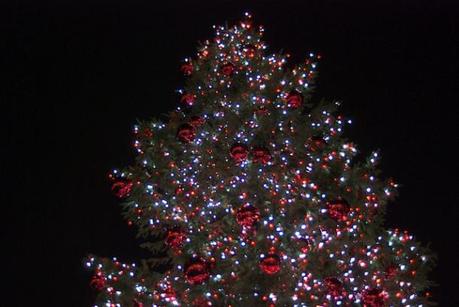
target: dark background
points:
(77, 75)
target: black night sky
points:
(76, 75)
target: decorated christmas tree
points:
(248, 194)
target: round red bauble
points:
(334, 286)
(187, 100)
(261, 155)
(239, 152)
(137, 303)
(122, 189)
(373, 298)
(186, 69)
(186, 133)
(175, 238)
(338, 209)
(317, 143)
(197, 121)
(201, 302)
(247, 216)
(98, 281)
(391, 271)
(227, 69)
(197, 271)
(294, 99)
(270, 264)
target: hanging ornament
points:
(122, 189)
(136, 303)
(175, 238)
(238, 152)
(338, 209)
(261, 155)
(186, 133)
(197, 271)
(98, 281)
(391, 271)
(373, 298)
(294, 99)
(187, 100)
(316, 143)
(187, 69)
(334, 286)
(197, 121)
(247, 216)
(270, 264)
(227, 69)
(250, 51)
(201, 302)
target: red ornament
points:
(137, 303)
(197, 271)
(187, 100)
(250, 51)
(201, 302)
(175, 238)
(98, 281)
(122, 189)
(261, 155)
(317, 143)
(247, 216)
(270, 264)
(338, 209)
(239, 152)
(373, 298)
(186, 69)
(197, 121)
(294, 99)
(228, 69)
(334, 286)
(391, 271)
(186, 133)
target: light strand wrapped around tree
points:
(252, 196)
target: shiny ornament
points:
(261, 155)
(201, 302)
(122, 189)
(373, 298)
(334, 286)
(186, 133)
(197, 121)
(294, 99)
(98, 281)
(187, 100)
(227, 69)
(137, 303)
(270, 264)
(238, 152)
(391, 271)
(175, 238)
(247, 216)
(317, 143)
(197, 271)
(187, 69)
(338, 209)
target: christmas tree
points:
(249, 194)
